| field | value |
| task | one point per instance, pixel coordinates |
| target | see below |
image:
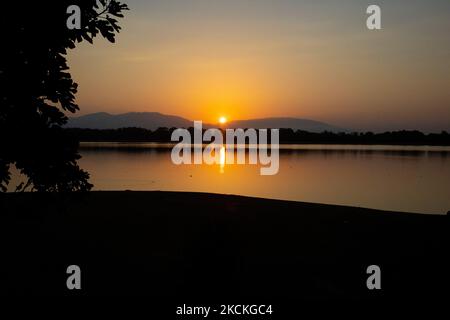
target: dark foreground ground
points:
(205, 246)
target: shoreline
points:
(285, 146)
(176, 244)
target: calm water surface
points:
(401, 178)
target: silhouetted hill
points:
(155, 120)
(146, 120)
(286, 123)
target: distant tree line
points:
(287, 136)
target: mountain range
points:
(155, 120)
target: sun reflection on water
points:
(222, 155)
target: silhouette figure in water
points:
(36, 88)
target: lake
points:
(399, 178)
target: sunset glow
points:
(222, 120)
(274, 59)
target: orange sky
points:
(242, 59)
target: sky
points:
(243, 59)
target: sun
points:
(222, 120)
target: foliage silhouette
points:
(36, 89)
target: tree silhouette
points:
(36, 89)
